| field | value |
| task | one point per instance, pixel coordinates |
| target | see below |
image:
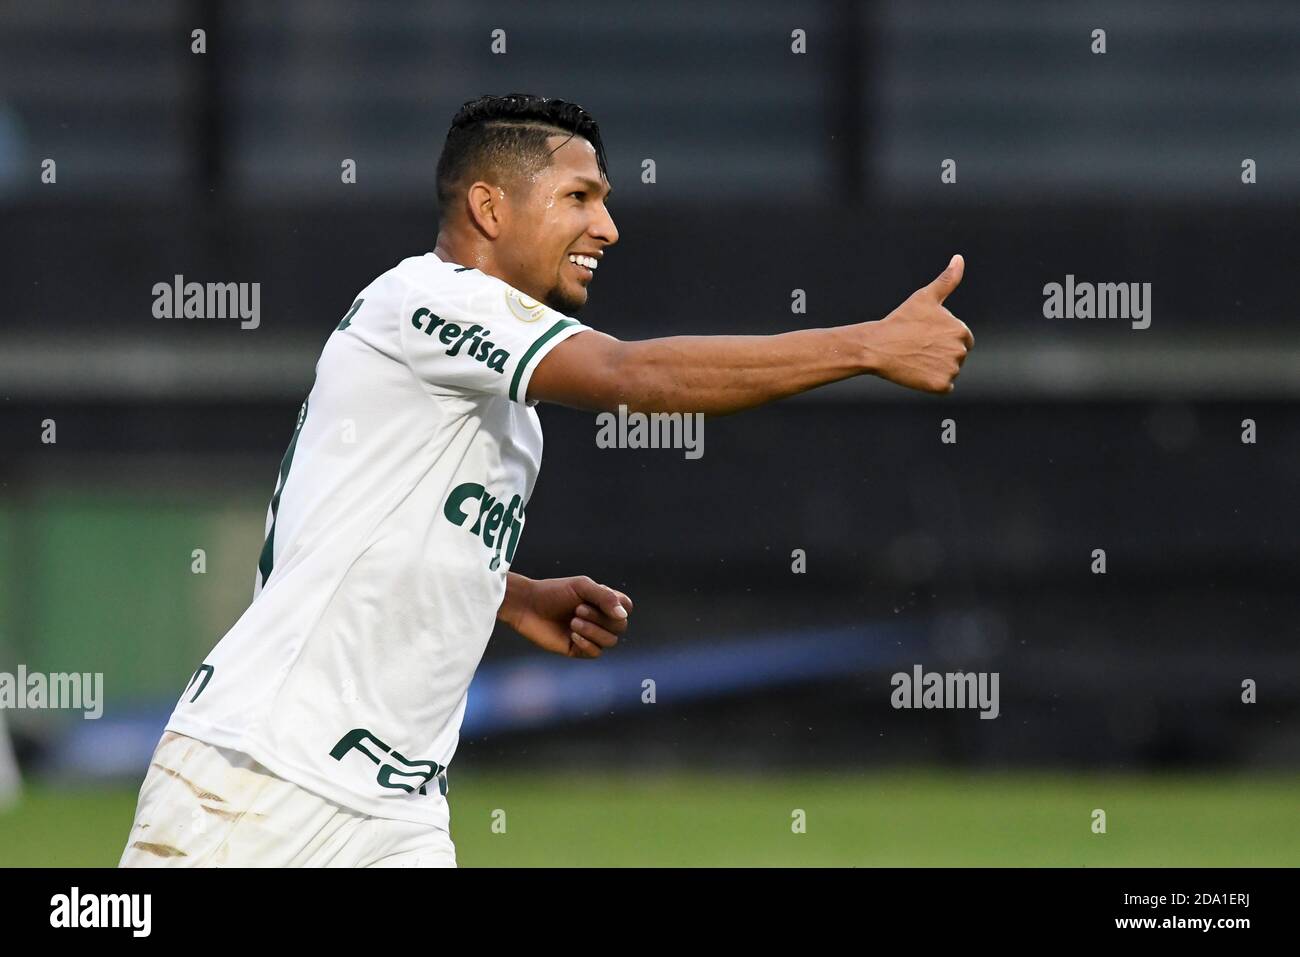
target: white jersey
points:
(398, 510)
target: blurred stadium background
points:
(775, 171)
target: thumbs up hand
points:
(921, 345)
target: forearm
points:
(718, 375)
(515, 598)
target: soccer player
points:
(319, 729)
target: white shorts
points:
(205, 806)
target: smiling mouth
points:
(585, 265)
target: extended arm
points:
(920, 345)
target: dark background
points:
(775, 171)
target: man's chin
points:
(566, 302)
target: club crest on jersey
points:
(494, 522)
(523, 308)
(481, 349)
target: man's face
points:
(559, 213)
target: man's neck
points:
(466, 255)
(450, 251)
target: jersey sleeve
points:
(477, 334)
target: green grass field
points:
(894, 819)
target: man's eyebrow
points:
(592, 184)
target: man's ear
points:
(486, 208)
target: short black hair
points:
(505, 136)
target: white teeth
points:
(588, 261)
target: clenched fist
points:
(575, 617)
(921, 344)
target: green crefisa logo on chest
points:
(481, 349)
(495, 522)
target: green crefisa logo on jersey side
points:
(495, 522)
(392, 764)
(481, 349)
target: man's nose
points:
(604, 228)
